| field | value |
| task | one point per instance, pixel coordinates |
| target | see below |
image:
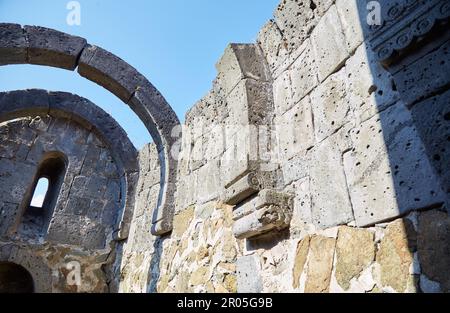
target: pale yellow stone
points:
(200, 276)
(181, 221)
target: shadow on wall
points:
(404, 148)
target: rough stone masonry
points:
(318, 162)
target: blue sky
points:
(175, 44)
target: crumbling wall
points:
(343, 187)
(66, 244)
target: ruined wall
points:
(76, 227)
(341, 181)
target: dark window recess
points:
(15, 279)
(40, 200)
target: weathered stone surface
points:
(330, 200)
(369, 85)
(182, 220)
(295, 130)
(13, 44)
(297, 18)
(304, 73)
(300, 260)
(248, 277)
(432, 121)
(355, 251)
(320, 264)
(413, 87)
(331, 106)
(53, 48)
(241, 61)
(329, 44)
(242, 189)
(433, 245)
(351, 21)
(270, 39)
(387, 167)
(395, 254)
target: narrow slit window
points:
(40, 200)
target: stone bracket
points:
(269, 211)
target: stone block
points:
(351, 22)
(22, 102)
(248, 275)
(330, 199)
(370, 86)
(110, 72)
(433, 247)
(355, 251)
(329, 44)
(270, 39)
(242, 189)
(320, 264)
(241, 61)
(304, 73)
(295, 130)
(433, 69)
(432, 121)
(53, 48)
(282, 93)
(13, 44)
(388, 172)
(331, 106)
(269, 211)
(296, 19)
(395, 255)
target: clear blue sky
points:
(174, 43)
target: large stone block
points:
(304, 73)
(329, 44)
(432, 121)
(270, 39)
(248, 275)
(355, 251)
(370, 86)
(295, 130)
(320, 264)
(297, 18)
(388, 172)
(53, 48)
(351, 21)
(241, 61)
(13, 44)
(23, 102)
(433, 247)
(110, 72)
(330, 199)
(395, 255)
(331, 106)
(282, 93)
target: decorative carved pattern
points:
(405, 21)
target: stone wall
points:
(67, 243)
(314, 164)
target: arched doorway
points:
(15, 279)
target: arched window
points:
(40, 201)
(15, 279)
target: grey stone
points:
(329, 44)
(53, 48)
(248, 276)
(13, 44)
(388, 172)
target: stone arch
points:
(15, 278)
(21, 103)
(43, 46)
